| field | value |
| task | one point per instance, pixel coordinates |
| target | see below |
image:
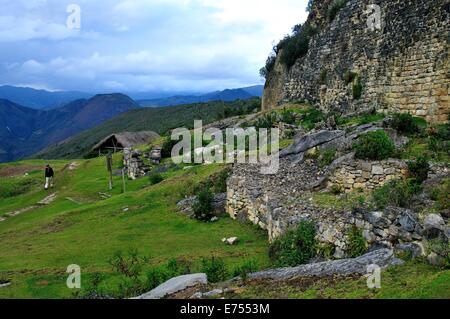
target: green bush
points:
(350, 76)
(215, 269)
(334, 8)
(202, 207)
(397, 193)
(244, 270)
(270, 65)
(327, 157)
(288, 117)
(375, 145)
(405, 123)
(323, 76)
(297, 45)
(311, 117)
(441, 194)
(442, 248)
(357, 243)
(357, 90)
(326, 251)
(419, 169)
(296, 247)
(267, 121)
(155, 178)
(336, 189)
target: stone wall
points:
(134, 163)
(403, 67)
(366, 175)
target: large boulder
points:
(175, 285)
(344, 267)
(307, 142)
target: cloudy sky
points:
(141, 45)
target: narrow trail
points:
(44, 202)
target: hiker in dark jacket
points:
(49, 176)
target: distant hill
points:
(159, 120)
(226, 96)
(25, 131)
(39, 99)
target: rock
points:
(433, 221)
(5, 284)
(230, 241)
(306, 142)
(435, 227)
(377, 170)
(209, 294)
(415, 249)
(407, 221)
(218, 204)
(382, 257)
(214, 219)
(434, 259)
(175, 285)
(377, 219)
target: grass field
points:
(37, 246)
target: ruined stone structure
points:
(402, 67)
(135, 165)
(366, 176)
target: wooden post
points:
(123, 180)
(109, 167)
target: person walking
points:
(49, 177)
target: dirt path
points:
(44, 202)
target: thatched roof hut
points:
(119, 141)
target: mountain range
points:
(225, 95)
(45, 100)
(24, 131)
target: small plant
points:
(202, 207)
(336, 189)
(327, 157)
(156, 178)
(128, 265)
(287, 116)
(215, 269)
(419, 169)
(267, 121)
(357, 244)
(442, 249)
(357, 89)
(323, 76)
(405, 123)
(375, 145)
(326, 251)
(396, 193)
(349, 77)
(334, 8)
(296, 247)
(244, 270)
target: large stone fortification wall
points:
(404, 67)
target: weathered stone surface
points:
(175, 285)
(382, 257)
(218, 204)
(307, 142)
(415, 249)
(402, 67)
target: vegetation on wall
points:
(375, 145)
(334, 8)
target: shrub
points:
(287, 116)
(323, 76)
(220, 181)
(297, 45)
(166, 150)
(267, 121)
(156, 178)
(419, 169)
(327, 157)
(202, 207)
(334, 8)
(326, 250)
(215, 269)
(128, 265)
(155, 277)
(357, 243)
(375, 145)
(396, 193)
(311, 118)
(244, 270)
(441, 248)
(357, 90)
(336, 189)
(296, 247)
(270, 65)
(349, 77)
(405, 123)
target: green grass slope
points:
(81, 228)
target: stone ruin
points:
(134, 164)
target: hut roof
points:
(129, 139)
